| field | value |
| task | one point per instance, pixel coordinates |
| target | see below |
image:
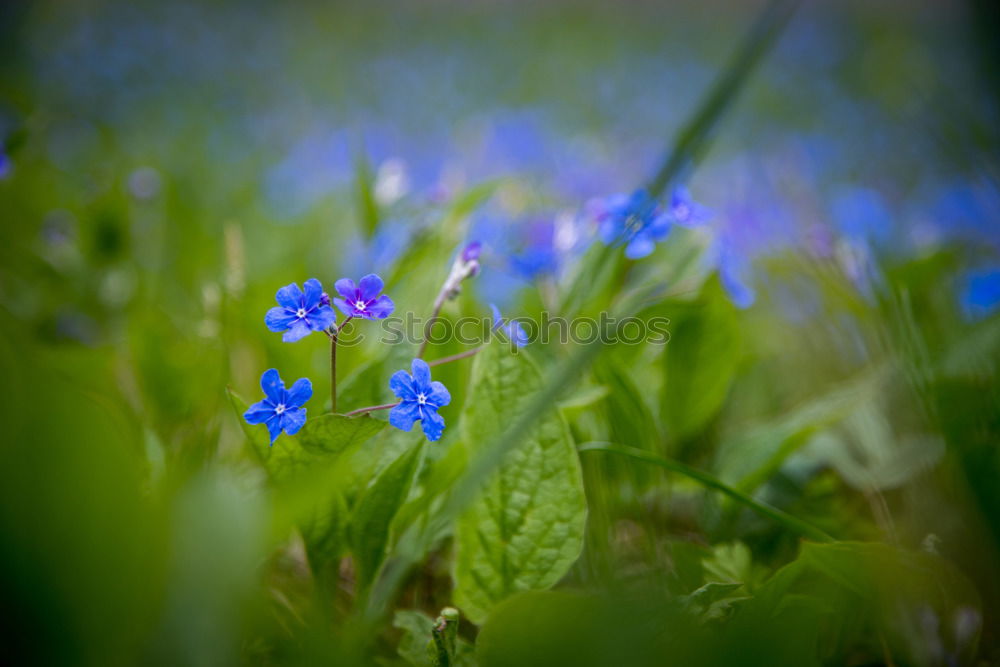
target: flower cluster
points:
(302, 311)
(639, 221)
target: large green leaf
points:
(525, 529)
(375, 510)
(700, 361)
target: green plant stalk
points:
(765, 510)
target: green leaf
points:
(700, 361)
(329, 435)
(525, 528)
(417, 628)
(325, 531)
(375, 510)
(321, 440)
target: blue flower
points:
(281, 410)
(5, 165)
(512, 328)
(637, 220)
(980, 293)
(363, 300)
(419, 398)
(685, 211)
(300, 313)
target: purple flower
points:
(637, 220)
(5, 165)
(512, 328)
(419, 398)
(300, 313)
(363, 300)
(471, 251)
(281, 409)
(685, 211)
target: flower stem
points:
(333, 373)
(438, 304)
(373, 408)
(455, 357)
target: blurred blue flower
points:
(281, 409)
(512, 328)
(300, 313)
(979, 295)
(861, 214)
(636, 220)
(685, 211)
(735, 275)
(363, 300)
(5, 165)
(419, 399)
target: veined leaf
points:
(525, 529)
(321, 439)
(375, 510)
(700, 362)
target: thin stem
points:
(333, 362)
(455, 357)
(333, 373)
(373, 408)
(438, 304)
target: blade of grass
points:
(780, 517)
(693, 138)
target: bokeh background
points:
(165, 167)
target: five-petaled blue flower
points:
(363, 300)
(512, 328)
(637, 220)
(419, 399)
(685, 211)
(281, 409)
(300, 313)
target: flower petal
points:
(279, 318)
(401, 385)
(497, 319)
(403, 415)
(438, 395)
(322, 318)
(272, 385)
(274, 427)
(639, 247)
(259, 412)
(517, 334)
(345, 287)
(381, 307)
(432, 423)
(298, 331)
(345, 307)
(313, 293)
(290, 296)
(293, 420)
(370, 287)
(300, 392)
(421, 376)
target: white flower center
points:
(300, 313)
(681, 211)
(360, 305)
(280, 409)
(421, 399)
